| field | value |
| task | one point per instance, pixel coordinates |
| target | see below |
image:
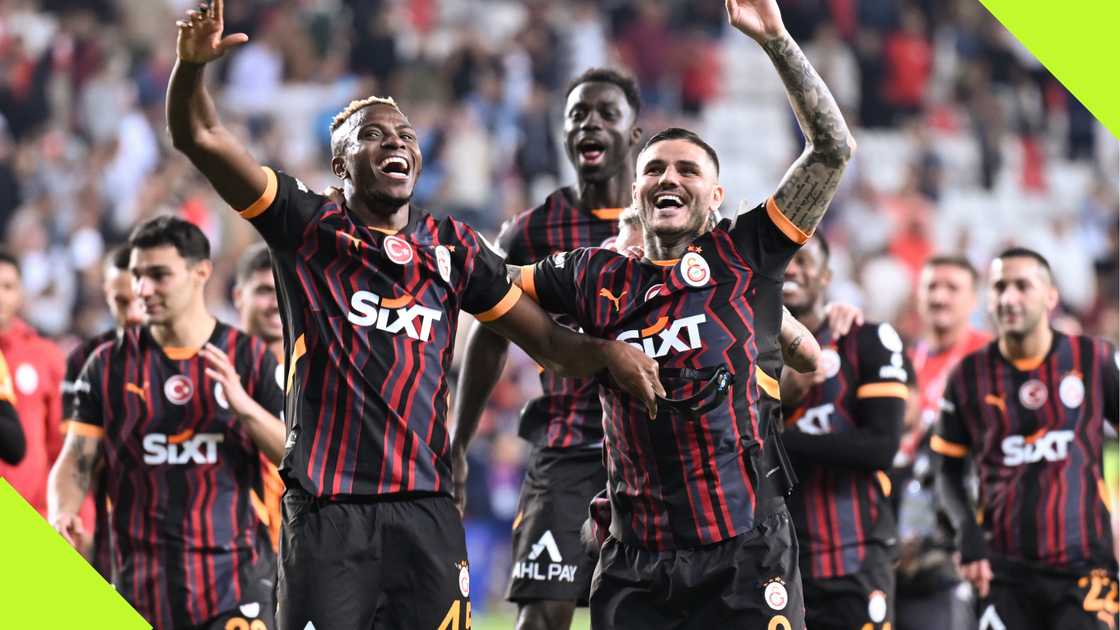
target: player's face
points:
(11, 293)
(382, 157)
(806, 278)
(599, 130)
(256, 302)
(126, 308)
(946, 296)
(166, 283)
(1020, 295)
(676, 188)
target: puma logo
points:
(136, 389)
(606, 293)
(996, 401)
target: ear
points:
(1052, 298)
(826, 276)
(718, 193)
(635, 135)
(634, 196)
(238, 293)
(338, 167)
(203, 270)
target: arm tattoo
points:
(808, 186)
(792, 346)
(86, 452)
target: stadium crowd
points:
(968, 145)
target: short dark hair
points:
(677, 133)
(117, 258)
(1023, 252)
(9, 258)
(255, 259)
(822, 243)
(954, 260)
(623, 81)
(185, 236)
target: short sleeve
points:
(489, 294)
(554, 281)
(74, 363)
(267, 389)
(88, 418)
(950, 436)
(283, 210)
(766, 238)
(884, 369)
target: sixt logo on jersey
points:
(1052, 446)
(666, 336)
(182, 448)
(392, 315)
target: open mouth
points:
(668, 201)
(591, 151)
(789, 286)
(395, 167)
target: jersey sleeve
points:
(950, 435)
(1110, 378)
(766, 238)
(554, 282)
(88, 418)
(267, 389)
(74, 363)
(283, 210)
(512, 242)
(489, 294)
(884, 369)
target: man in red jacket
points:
(36, 366)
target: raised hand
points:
(758, 19)
(200, 35)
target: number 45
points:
(451, 619)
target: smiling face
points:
(256, 302)
(599, 130)
(166, 283)
(377, 154)
(676, 188)
(806, 278)
(1020, 296)
(126, 308)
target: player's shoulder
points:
(875, 335)
(457, 234)
(85, 349)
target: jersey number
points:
(451, 619)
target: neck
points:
(659, 247)
(941, 339)
(378, 213)
(813, 316)
(190, 330)
(1028, 346)
(613, 192)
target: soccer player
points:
(179, 410)
(699, 535)
(564, 424)
(1029, 410)
(927, 580)
(126, 310)
(13, 446)
(370, 292)
(36, 365)
(842, 434)
(254, 296)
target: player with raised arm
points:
(1029, 411)
(370, 292)
(564, 424)
(178, 411)
(842, 434)
(699, 534)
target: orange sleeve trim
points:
(265, 200)
(77, 427)
(299, 349)
(768, 383)
(947, 448)
(883, 390)
(503, 305)
(529, 282)
(884, 482)
(787, 227)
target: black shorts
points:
(1032, 599)
(549, 560)
(396, 562)
(863, 600)
(750, 581)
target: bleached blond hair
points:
(361, 103)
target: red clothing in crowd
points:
(37, 367)
(932, 369)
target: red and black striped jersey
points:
(568, 412)
(841, 511)
(369, 326)
(683, 482)
(1034, 429)
(75, 361)
(182, 475)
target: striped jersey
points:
(182, 475)
(369, 328)
(567, 413)
(1034, 429)
(840, 512)
(679, 482)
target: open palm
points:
(200, 35)
(759, 19)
